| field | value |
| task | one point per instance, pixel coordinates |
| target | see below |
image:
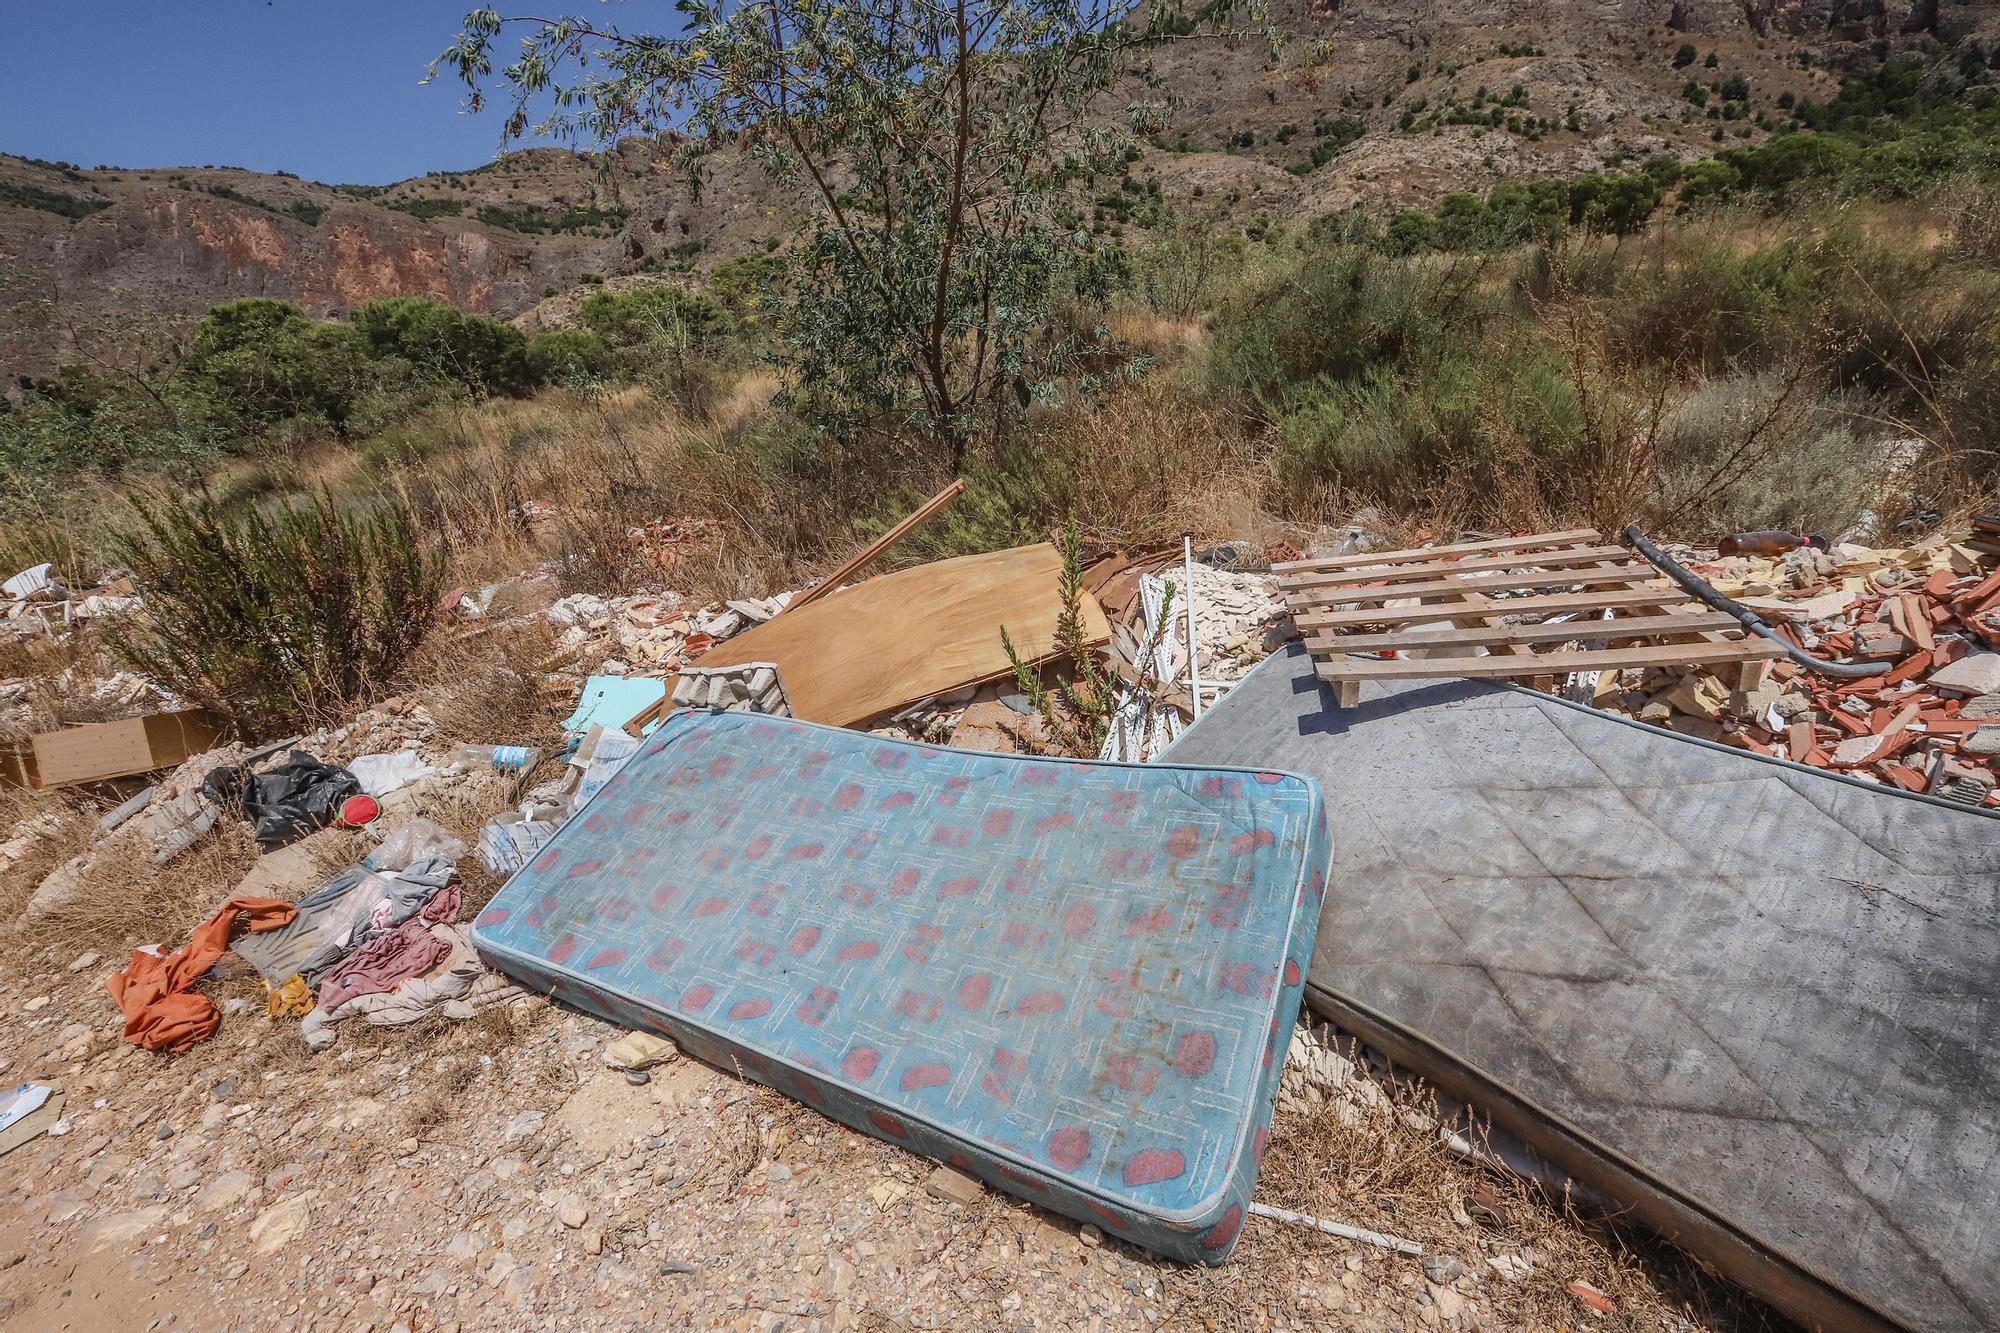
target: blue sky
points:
(324, 88)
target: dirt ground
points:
(496, 1174)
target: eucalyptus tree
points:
(941, 150)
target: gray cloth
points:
(336, 918)
(1754, 1000)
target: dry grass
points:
(62, 829)
(62, 676)
(488, 687)
(1381, 1163)
(121, 899)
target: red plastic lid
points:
(357, 810)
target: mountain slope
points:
(1371, 102)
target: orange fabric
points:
(162, 1010)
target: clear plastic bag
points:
(414, 841)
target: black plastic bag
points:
(284, 803)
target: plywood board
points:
(881, 645)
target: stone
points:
(1754, 703)
(120, 1229)
(82, 962)
(1792, 706)
(888, 1193)
(1856, 750)
(1090, 1235)
(639, 1050)
(1984, 708)
(1442, 1269)
(36, 1005)
(593, 1241)
(1984, 741)
(522, 1125)
(466, 1246)
(63, 1206)
(282, 1223)
(163, 1131)
(637, 1078)
(1977, 674)
(1698, 694)
(572, 1214)
(10, 1259)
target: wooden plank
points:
(919, 516)
(1451, 586)
(895, 639)
(1630, 627)
(1433, 552)
(1549, 604)
(1598, 659)
(1583, 555)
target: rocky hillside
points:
(1371, 102)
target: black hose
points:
(1699, 589)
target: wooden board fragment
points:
(882, 645)
(1500, 633)
(101, 750)
(1405, 573)
(1527, 543)
(1598, 659)
(1539, 605)
(1453, 585)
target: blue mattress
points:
(1073, 980)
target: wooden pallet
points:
(1342, 605)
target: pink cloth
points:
(387, 960)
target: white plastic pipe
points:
(1387, 1242)
(1194, 667)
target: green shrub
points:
(1336, 313)
(427, 206)
(71, 206)
(267, 361)
(567, 356)
(477, 351)
(648, 314)
(279, 619)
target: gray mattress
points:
(1752, 1002)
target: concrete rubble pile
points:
(1928, 614)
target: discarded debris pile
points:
(35, 604)
(1929, 615)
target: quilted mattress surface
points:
(1071, 979)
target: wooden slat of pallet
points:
(1596, 659)
(1529, 542)
(1497, 635)
(1598, 599)
(1582, 555)
(1452, 586)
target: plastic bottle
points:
(499, 758)
(1767, 543)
